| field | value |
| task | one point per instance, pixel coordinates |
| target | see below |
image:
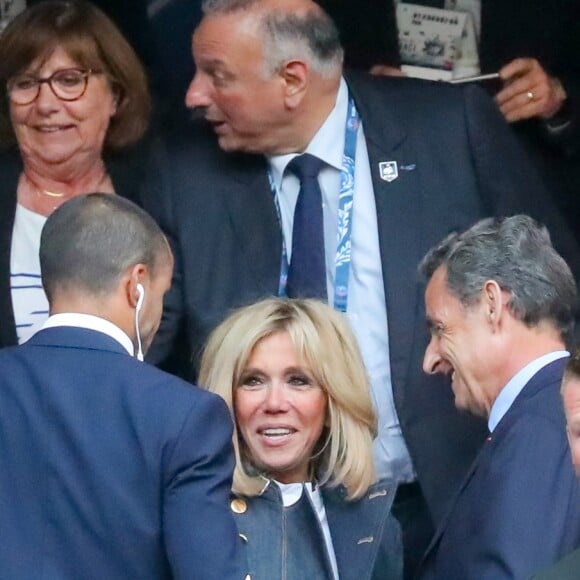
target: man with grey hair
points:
(110, 467)
(500, 304)
(333, 186)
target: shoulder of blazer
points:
(391, 108)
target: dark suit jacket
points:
(566, 569)
(457, 163)
(110, 468)
(125, 170)
(519, 509)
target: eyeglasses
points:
(68, 84)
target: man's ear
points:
(294, 75)
(494, 301)
(136, 275)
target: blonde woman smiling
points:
(306, 501)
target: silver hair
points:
(517, 253)
(311, 36)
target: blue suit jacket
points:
(519, 508)
(458, 162)
(110, 468)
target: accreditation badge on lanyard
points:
(342, 258)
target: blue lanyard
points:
(345, 207)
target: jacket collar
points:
(76, 338)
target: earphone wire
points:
(139, 347)
(140, 356)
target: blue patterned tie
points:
(307, 272)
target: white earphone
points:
(138, 306)
(141, 292)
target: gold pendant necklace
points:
(50, 193)
(52, 199)
(40, 192)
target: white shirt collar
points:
(515, 385)
(328, 142)
(292, 492)
(91, 322)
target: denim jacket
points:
(365, 535)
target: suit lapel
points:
(481, 457)
(253, 216)
(399, 219)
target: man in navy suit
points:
(500, 304)
(110, 468)
(419, 159)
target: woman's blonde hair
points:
(323, 340)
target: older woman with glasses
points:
(76, 100)
(307, 504)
